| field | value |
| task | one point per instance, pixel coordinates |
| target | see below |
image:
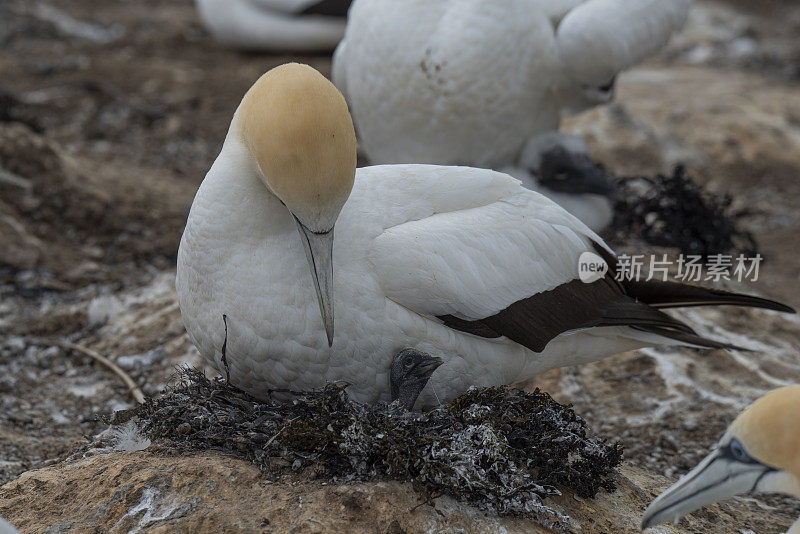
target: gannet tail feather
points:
(628, 312)
(693, 340)
(661, 294)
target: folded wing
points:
(505, 268)
(509, 267)
(474, 262)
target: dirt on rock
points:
(109, 118)
(155, 491)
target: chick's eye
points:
(738, 452)
(408, 361)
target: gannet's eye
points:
(738, 452)
(408, 361)
(607, 87)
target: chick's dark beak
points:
(426, 368)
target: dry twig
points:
(135, 391)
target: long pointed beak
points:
(319, 253)
(714, 479)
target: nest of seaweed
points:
(501, 449)
(673, 211)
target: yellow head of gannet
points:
(298, 128)
(759, 452)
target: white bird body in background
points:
(7, 528)
(468, 82)
(290, 25)
(464, 264)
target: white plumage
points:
(7, 528)
(273, 24)
(470, 82)
(412, 242)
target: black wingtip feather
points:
(661, 294)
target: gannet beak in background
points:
(572, 172)
(576, 98)
(319, 253)
(298, 128)
(601, 93)
(759, 452)
(726, 472)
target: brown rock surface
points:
(67, 214)
(211, 492)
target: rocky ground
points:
(109, 118)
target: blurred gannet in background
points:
(468, 82)
(7, 528)
(291, 25)
(463, 264)
(759, 452)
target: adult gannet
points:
(463, 264)
(293, 25)
(759, 452)
(469, 82)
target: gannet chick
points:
(290, 25)
(760, 452)
(558, 166)
(464, 82)
(463, 264)
(411, 370)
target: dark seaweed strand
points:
(673, 211)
